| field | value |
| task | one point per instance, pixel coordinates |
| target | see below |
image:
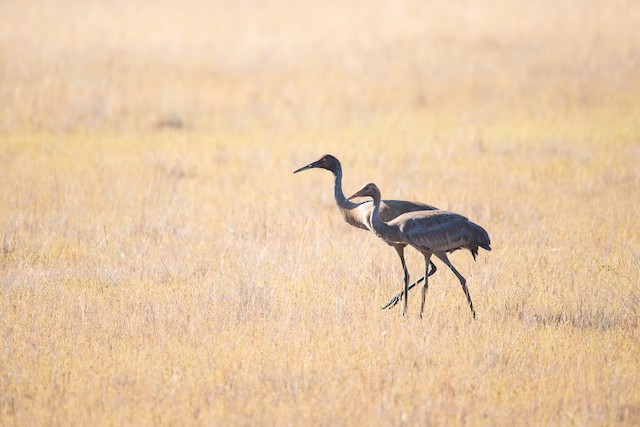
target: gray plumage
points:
(442, 231)
(433, 232)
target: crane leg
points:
(444, 258)
(397, 298)
(427, 262)
(400, 250)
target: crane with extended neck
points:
(359, 214)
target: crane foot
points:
(393, 302)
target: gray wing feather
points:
(440, 231)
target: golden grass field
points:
(161, 265)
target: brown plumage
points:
(433, 232)
(359, 214)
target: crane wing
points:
(360, 215)
(391, 209)
(438, 231)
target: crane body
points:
(432, 232)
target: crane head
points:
(327, 162)
(367, 190)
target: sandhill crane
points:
(359, 214)
(433, 232)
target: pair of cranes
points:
(400, 223)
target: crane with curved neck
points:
(433, 232)
(359, 214)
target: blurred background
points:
(96, 65)
(161, 265)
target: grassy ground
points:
(160, 263)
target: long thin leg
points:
(427, 261)
(398, 297)
(400, 250)
(444, 258)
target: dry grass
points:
(161, 265)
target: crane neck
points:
(380, 227)
(338, 194)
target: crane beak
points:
(309, 166)
(355, 195)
